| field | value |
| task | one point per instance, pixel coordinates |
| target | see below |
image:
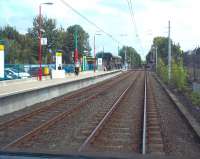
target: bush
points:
(195, 97)
(179, 75)
(162, 70)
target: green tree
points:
(133, 58)
(162, 49)
(49, 31)
(162, 70)
(17, 46)
(22, 48)
(83, 40)
(61, 43)
(27, 55)
(178, 72)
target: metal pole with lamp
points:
(95, 51)
(94, 55)
(39, 41)
(76, 62)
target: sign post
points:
(100, 63)
(2, 61)
(43, 41)
(84, 63)
(58, 72)
(58, 60)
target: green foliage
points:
(162, 70)
(162, 49)
(22, 48)
(195, 97)
(17, 46)
(49, 31)
(83, 39)
(133, 58)
(162, 45)
(59, 39)
(179, 74)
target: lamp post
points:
(76, 48)
(94, 55)
(39, 41)
(95, 50)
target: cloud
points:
(182, 14)
(113, 16)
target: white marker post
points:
(58, 60)
(1, 61)
(58, 72)
(100, 63)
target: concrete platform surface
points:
(18, 86)
(16, 95)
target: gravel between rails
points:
(122, 132)
(179, 139)
(63, 136)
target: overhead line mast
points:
(169, 53)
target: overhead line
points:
(132, 15)
(130, 5)
(89, 21)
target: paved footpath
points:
(17, 86)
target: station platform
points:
(17, 86)
(18, 94)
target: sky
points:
(150, 19)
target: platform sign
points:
(58, 60)
(44, 41)
(99, 61)
(84, 63)
(1, 61)
(100, 64)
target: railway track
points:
(114, 132)
(30, 125)
(130, 125)
(153, 140)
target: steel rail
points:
(105, 118)
(144, 117)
